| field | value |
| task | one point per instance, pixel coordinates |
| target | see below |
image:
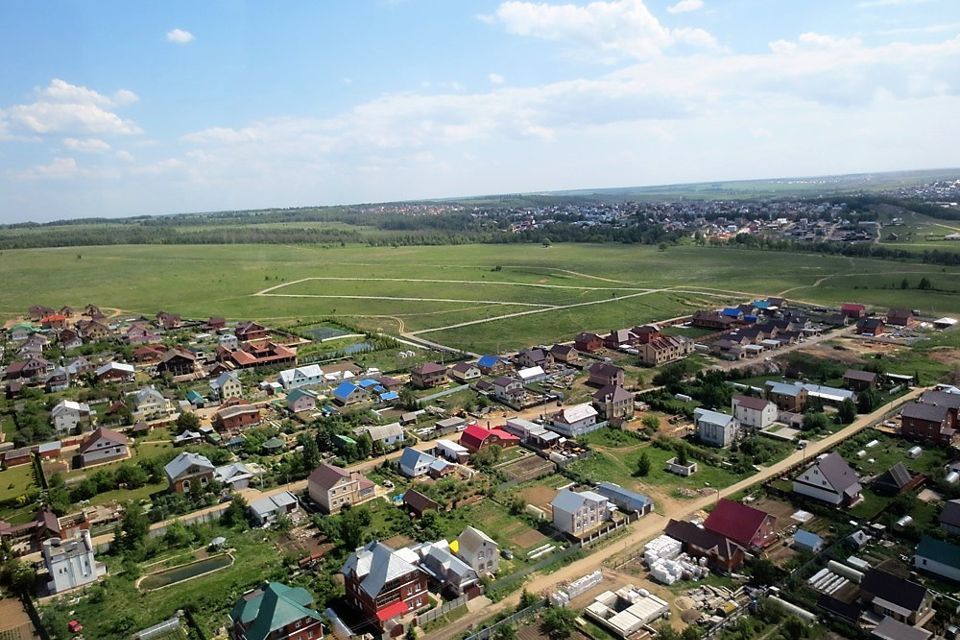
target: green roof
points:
(939, 551)
(274, 443)
(273, 608)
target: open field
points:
(522, 293)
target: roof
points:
(604, 369)
(266, 506)
(837, 472)
(939, 551)
(471, 539)
(428, 368)
(398, 608)
(807, 538)
(474, 436)
(895, 589)
(860, 376)
(115, 366)
(750, 402)
(612, 393)
(326, 476)
(383, 431)
(925, 412)
(689, 533)
(784, 388)
(897, 476)
(950, 515)
(488, 362)
(941, 399)
(850, 306)
(273, 608)
(102, 433)
(418, 501)
(223, 378)
(623, 498)
(892, 629)
(570, 501)
(736, 521)
(345, 389)
(375, 565)
(576, 413)
(712, 417)
(184, 461)
(298, 393)
(412, 458)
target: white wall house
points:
(71, 563)
(307, 375)
(68, 416)
(830, 479)
(575, 421)
(756, 413)
(578, 512)
(714, 428)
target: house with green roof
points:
(276, 612)
(938, 557)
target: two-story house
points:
(332, 488)
(104, 445)
(383, 586)
(577, 513)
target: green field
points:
(437, 289)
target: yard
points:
(15, 481)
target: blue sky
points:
(185, 106)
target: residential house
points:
(614, 403)
(69, 339)
(258, 354)
(711, 320)
(626, 500)
(722, 554)
(249, 331)
(141, 333)
(605, 375)
(168, 321)
(479, 551)
(871, 326)
(475, 438)
(428, 375)
(452, 451)
(32, 367)
(37, 311)
(383, 586)
(276, 612)
(900, 318)
(115, 372)
(891, 629)
(464, 372)
(576, 513)
(303, 376)
(619, 338)
(565, 354)
(235, 475)
(178, 362)
(348, 393)
(664, 349)
(829, 479)
(228, 341)
(70, 416)
(453, 576)
(414, 463)
(949, 517)
(787, 397)
(300, 400)
(927, 422)
(103, 445)
(418, 503)
(188, 469)
(575, 421)
(890, 595)
(236, 415)
(71, 563)
(148, 354)
(586, 342)
(216, 323)
(535, 357)
(227, 385)
(332, 488)
(491, 365)
(509, 390)
(851, 311)
(388, 435)
(20, 332)
(757, 413)
(93, 330)
(714, 428)
(896, 480)
(857, 380)
(55, 321)
(531, 375)
(150, 404)
(268, 510)
(808, 541)
(938, 557)
(532, 433)
(748, 527)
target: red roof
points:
(850, 306)
(393, 610)
(474, 436)
(736, 521)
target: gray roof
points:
(951, 513)
(863, 376)
(471, 539)
(941, 399)
(750, 402)
(382, 432)
(925, 412)
(183, 462)
(892, 629)
(838, 473)
(268, 505)
(570, 501)
(711, 417)
(375, 565)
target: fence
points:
(443, 393)
(523, 614)
(439, 612)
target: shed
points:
(804, 540)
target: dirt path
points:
(538, 285)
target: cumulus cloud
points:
(58, 169)
(685, 6)
(496, 78)
(611, 29)
(88, 145)
(179, 36)
(62, 107)
(125, 156)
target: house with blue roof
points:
(804, 540)
(367, 383)
(389, 396)
(194, 398)
(732, 312)
(491, 364)
(414, 463)
(348, 393)
(625, 499)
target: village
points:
(722, 473)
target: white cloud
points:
(496, 78)
(611, 29)
(88, 145)
(125, 156)
(62, 107)
(179, 36)
(58, 169)
(685, 6)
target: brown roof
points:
(326, 476)
(106, 434)
(757, 404)
(604, 369)
(616, 393)
(860, 376)
(427, 368)
(418, 502)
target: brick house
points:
(586, 342)
(188, 469)
(177, 362)
(333, 488)
(236, 415)
(927, 423)
(565, 353)
(475, 438)
(664, 349)
(276, 612)
(428, 375)
(103, 445)
(247, 331)
(603, 375)
(614, 403)
(383, 586)
(748, 527)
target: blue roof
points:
(488, 361)
(750, 318)
(344, 390)
(807, 539)
(366, 383)
(194, 397)
(623, 498)
(761, 304)
(389, 395)
(733, 312)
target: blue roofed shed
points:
(348, 393)
(804, 540)
(195, 398)
(625, 499)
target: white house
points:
(578, 512)
(227, 385)
(149, 404)
(756, 413)
(68, 416)
(575, 421)
(304, 376)
(479, 551)
(938, 557)
(830, 479)
(387, 435)
(714, 428)
(71, 563)
(452, 451)
(229, 342)
(414, 463)
(532, 374)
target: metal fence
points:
(439, 612)
(523, 614)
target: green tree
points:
(353, 526)
(558, 622)
(651, 422)
(505, 632)
(764, 572)
(364, 445)
(816, 421)
(236, 513)
(188, 421)
(924, 284)
(134, 526)
(847, 411)
(643, 465)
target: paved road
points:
(653, 524)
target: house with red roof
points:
(54, 321)
(475, 438)
(748, 527)
(850, 310)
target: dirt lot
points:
(528, 468)
(778, 509)
(538, 495)
(530, 539)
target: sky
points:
(113, 108)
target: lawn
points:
(146, 278)
(15, 481)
